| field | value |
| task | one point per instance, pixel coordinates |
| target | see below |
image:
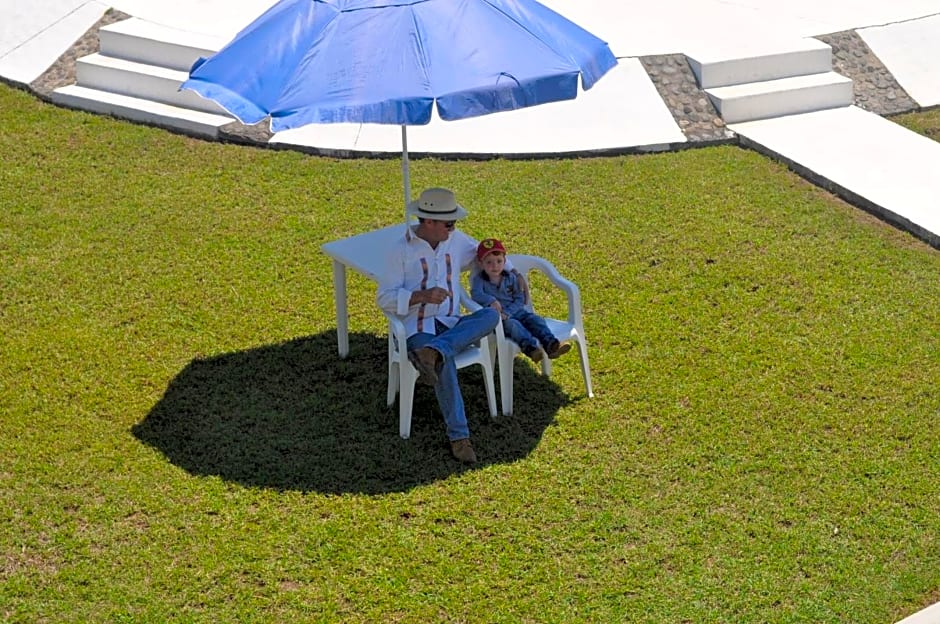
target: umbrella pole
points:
(406, 176)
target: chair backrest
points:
(525, 264)
(571, 328)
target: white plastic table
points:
(365, 253)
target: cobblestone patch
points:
(237, 132)
(689, 105)
(876, 90)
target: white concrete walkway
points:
(891, 170)
(911, 50)
(34, 34)
(930, 615)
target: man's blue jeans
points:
(468, 330)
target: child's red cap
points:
(488, 246)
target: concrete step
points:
(151, 82)
(784, 96)
(144, 111)
(153, 44)
(727, 64)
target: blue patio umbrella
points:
(390, 61)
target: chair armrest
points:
(525, 264)
(472, 306)
(468, 304)
(396, 328)
(497, 333)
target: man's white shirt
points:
(413, 265)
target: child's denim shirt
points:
(507, 292)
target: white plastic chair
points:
(402, 375)
(571, 329)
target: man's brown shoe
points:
(463, 450)
(558, 349)
(428, 362)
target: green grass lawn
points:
(926, 123)
(180, 442)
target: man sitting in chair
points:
(421, 284)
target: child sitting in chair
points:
(505, 291)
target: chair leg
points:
(393, 381)
(406, 397)
(490, 388)
(585, 367)
(505, 378)
(394, 374)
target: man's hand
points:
(434, 295)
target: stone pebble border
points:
(876, 90)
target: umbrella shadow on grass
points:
(294, 416)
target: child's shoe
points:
(535, 354)
(558, 349)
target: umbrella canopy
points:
(390, 61)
